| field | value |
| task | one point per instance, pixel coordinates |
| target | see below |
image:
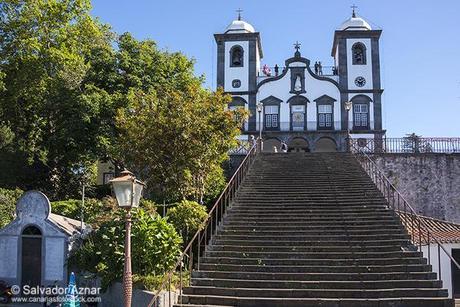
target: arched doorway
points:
(270, 144)
(298, 145)
(325, 145)
(31, 256)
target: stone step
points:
(312, 230)
(345, 223)
(316, 284)
(316, 293)
(313, 215)
(246, 242)
(299, 238)
(313, 255)
(282, 228)
(313, 262)
(312, 248)
(316, 268)
(325, 219)
(352, 203)
(235, 209)
(268, 191)
(329, 232)
(211, 300)
(383, 273)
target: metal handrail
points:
(401, 206)
(409, 145)
(209, 227)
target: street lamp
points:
(128, 191)
(348, 105)
(259, 107)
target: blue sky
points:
(420, 45)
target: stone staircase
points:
(312, 230)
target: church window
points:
(359, 54)
(271, 117)
(360, 116)
(325, 116)
(236, 56)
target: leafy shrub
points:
(8, 199)
(154, 282)
(155, 247)
(187, 217)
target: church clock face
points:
(360, 81)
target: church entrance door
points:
(298, 145)
(298, 118)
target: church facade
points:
(310, 107)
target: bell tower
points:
(239, 52)
(357, 56)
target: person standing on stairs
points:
(284, 147)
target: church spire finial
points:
(239, 11)
(354, 7)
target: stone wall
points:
(429, 182)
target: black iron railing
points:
(189, 259)
(416, 227)
(408, 145)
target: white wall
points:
(446, 269)
(241, 73)
(8, 256)
(359, 70)
(314, 89)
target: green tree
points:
(53, 115)
(176, 140)
(8, 199)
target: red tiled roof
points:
(443, 231)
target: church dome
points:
(240, 26)
(355, 24)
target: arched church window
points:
(236, 56)
(359, 54)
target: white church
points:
(310, 107)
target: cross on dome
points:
(354, 7)
(239, 11)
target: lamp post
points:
(128, 191)
(259, 107)
(348, 105)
